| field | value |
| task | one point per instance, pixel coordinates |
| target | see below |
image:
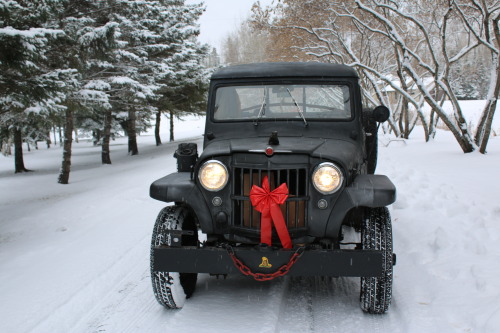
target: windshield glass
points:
(283, 101)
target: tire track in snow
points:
(236, 304)
(322, 304)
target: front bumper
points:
(216, 260)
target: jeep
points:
(285, 175)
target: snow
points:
(31, 33)
(472, 111)
(75, 258)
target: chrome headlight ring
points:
(213, 175)
(327, 178)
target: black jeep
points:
(285, 174)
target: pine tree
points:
(29, 88)
(183, 87)
(158, 50)
(91, 36)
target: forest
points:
(101, 67)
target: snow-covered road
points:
(75, 258)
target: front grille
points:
(295, 208)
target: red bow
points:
(267, 202)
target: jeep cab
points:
(286, 171)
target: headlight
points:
(213, 175)
(327, 178)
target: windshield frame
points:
(256, 118)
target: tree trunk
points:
(105, 153)
(60, 137)
(76, 135)
(18, 152)
(483, 130)
(55, 138)
(7, 145)
(425, 126)
(68, 140)
(157, 128)
(171, 126)
(492, 104)
(96, 136)
(132, 135)
(433, 123)
(404, 120)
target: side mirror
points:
(381, 114)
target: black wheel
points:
(371, 141)
(376, 234)
(172, 288)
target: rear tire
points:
(172, 288)
(376, 234)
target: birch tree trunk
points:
(68, 140)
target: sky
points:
(223, 17)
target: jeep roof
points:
(284, 69)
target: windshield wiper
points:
(262, 110)
(298, 107)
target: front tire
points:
(376, 234)
(172, 288)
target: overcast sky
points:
(222, 17)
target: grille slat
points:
(294, 209)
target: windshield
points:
(283, 102)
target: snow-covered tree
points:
(102, 63)
(182, 87)
(404, 45)
(156, 39)
(481, 20)
(30, 88)
(88, 37)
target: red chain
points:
(283, 270)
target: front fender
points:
(179, 187)
(365, 191)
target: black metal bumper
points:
(214, 260)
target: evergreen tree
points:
(90, 35)
(157, 51)
(95, 64)
(30, 88)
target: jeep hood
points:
(346, 153)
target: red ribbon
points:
(267, 203)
